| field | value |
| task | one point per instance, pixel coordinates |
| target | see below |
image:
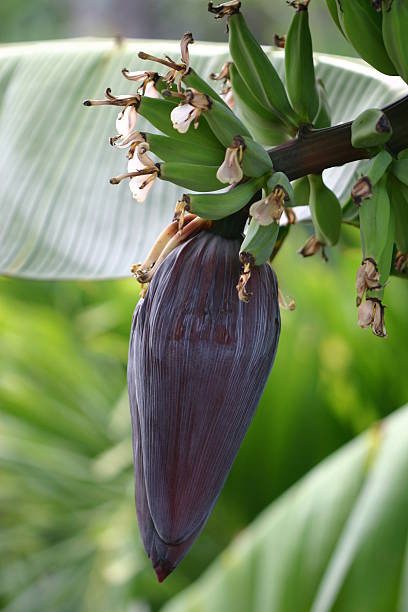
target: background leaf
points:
(60, 216)
(334, 542)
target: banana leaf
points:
(335, 542)
(60, 217)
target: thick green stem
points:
(312, 151)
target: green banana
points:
(370, 129)
(191, 176)
(157, 112)
(226, 126)
(371, 172)
(384, 259)
(217, 206)
(260, 241)
(263, 124)
(363, 27)
(399, 169)
(257, 71)
(377, 166)
(301, 192)
(194, 81)
(398, 193)
(395, 34)
(325, 210)
(323, 115)
(374, 221)
(171, 150)
(299, 66)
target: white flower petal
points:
(261, 212)
(151, 91)
(139, 192)
(126, 121)
(230, 170)
(182, 116)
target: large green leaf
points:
(60, 217)
(336, 542)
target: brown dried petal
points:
(366, 313)
(312, 247)
(362, 190)
(378, 324)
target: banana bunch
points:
(271, 111)
(220, 150)
(377, 29)
(394, 30)
(363, 24)
(326, 215)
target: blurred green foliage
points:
(69, 537)
(48, 19)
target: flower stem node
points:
(368, 277)
(371, 314)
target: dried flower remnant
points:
(368, 277)
(285, 304)
(224, 10)
(226, 92)
(269, 209)
(189, 110)
(247, 265)
(146, 80)
(362, 190)
(279, 41)
(184, 334)
(177, 70)
(111, 100)
(371, 314)
(401, 262)
(312, 247)
(230, 170)
(168, 240)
